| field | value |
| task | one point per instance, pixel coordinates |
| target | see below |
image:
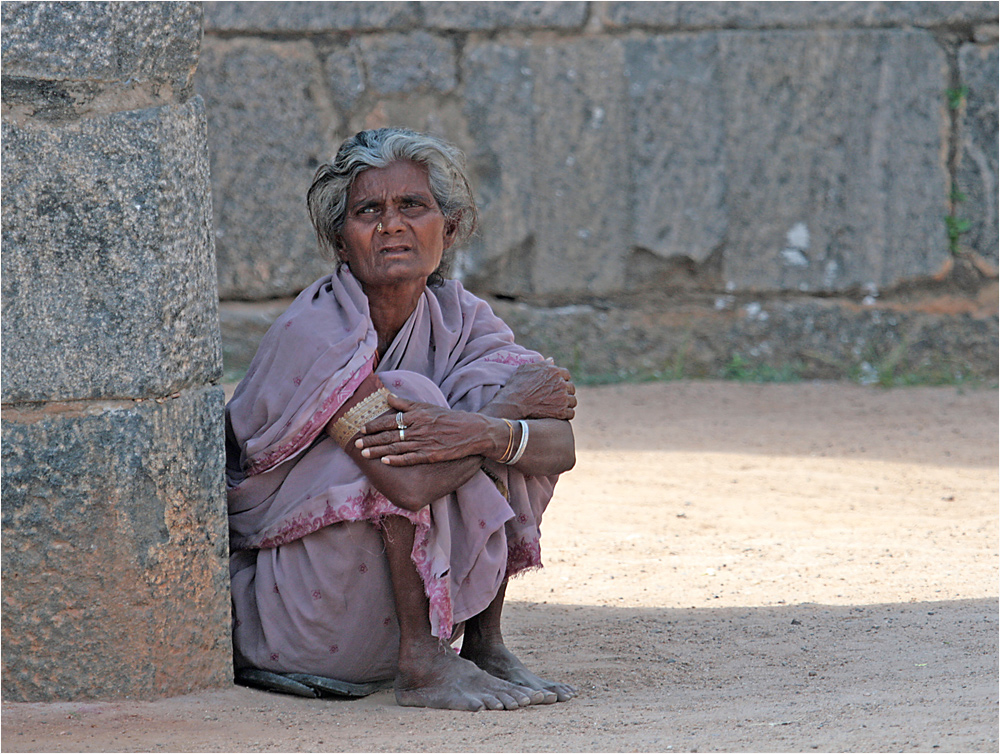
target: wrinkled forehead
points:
(399, 178)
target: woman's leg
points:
(483, 645)
(430, 673)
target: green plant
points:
(741, 370)
(956, 226)
(957, 96)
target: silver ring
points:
(402, 434)
(399, 420)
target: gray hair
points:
(327, 197)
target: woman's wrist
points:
(499, 439)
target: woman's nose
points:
(392, 220)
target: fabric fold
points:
(295, 497)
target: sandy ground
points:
(730, 567)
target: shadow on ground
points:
(903, 677)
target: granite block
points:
(115, 557)
(466, 16)
(834, 171)
(409, 63)
(551, 166)
(581, 184)
(109, 283)
(264, 17)
(101, 41)
(977, 171)
(498, 104)
(792, 15)
(677, 138)
(265, 144)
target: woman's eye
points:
(368, 210)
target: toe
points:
(548, 696)
(493, 702)
(509, 701)
(471, 703)
(564, 693)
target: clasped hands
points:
(433, 433)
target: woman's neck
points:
(390, 306)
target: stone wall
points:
(115, 552)
(672, 188)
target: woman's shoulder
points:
(336, 294)
(454, 295)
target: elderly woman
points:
(391, 451)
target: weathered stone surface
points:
(409, 63)
(558, 116)
(507, 15)
(311, 17)
(108, 285)
(697, 336)
(265, 144)
(581, 167)
(678, 131)
(978, 173)
(808, 339)
(115, 556)
(430, 113)
(834, 168)
(344, 75)
(243, 324)
(101, 41)
(498, 105)
(789, 15)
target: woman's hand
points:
(431, 434)
(536, 391)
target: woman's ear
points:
(337, 246)
(451, 230)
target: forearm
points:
(550, 449)
(413, 487)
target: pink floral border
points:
(334, 401)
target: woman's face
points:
(414, 232)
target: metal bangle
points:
(523, 444)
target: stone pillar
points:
(115, 579)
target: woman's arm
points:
(541, 393)
(409, 486)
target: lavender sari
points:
(310, 581)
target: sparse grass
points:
(741, 370)
(892, 369)
(886, 372)
(957, 97)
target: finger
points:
(379, 438)
(399, 403)
(388, 422)
(378, 451)
(406, 459)
(572, 401)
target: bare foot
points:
(441, 679)
(499, 661)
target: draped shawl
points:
(286, 478)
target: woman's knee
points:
(413, 386)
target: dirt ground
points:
(729, 567)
